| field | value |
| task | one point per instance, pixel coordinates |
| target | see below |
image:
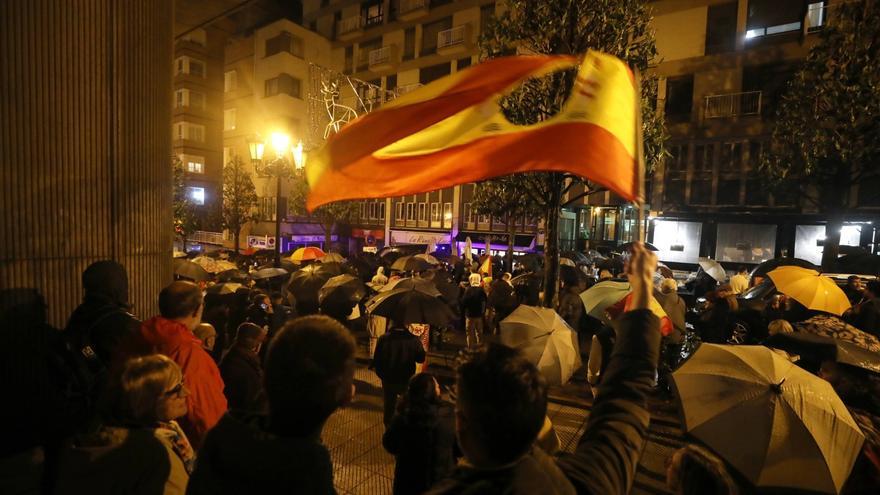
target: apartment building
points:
(197, 118)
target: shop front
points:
(523, 243)
(434, 240)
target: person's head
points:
(182, 302)
(309, 374)
(669, 286)
(694, 470)
(605, 275)
(264, 302)
(277, 299)
(854, 282)
(250, 336)
(872, 288)
(421, 392)
(150, 389)
(106, 279)
(779, 326)
(500, 407)
(474, 280)
(742, 270)
(207, 334)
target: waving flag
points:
(452, 131)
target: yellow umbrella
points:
(811, 289)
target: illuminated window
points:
(230, 81)
(194, 164)
(229, 119)
(196, 195)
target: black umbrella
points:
(578, 257)
(862, 264)
(269, 272)
(818, 348)
(347, 288)
(418, 304)
(421, 284)
(531, 261)
(233, 276)
(365, 266)
(187, 269)
(307, 282)
(411, 264)
(768, 266)
(224, 288)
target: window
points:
(677, 241)
(196, 100)
(374, 211)
(179, 98)
(447, 215)
(186, 130)
(463, 63)
(679, 98)
(730, 159)
(815, 16)
(227, 155)
(423, 212)
(197, 68)
(284, 42)
(229, 119)
(189, 65)
(703, 158)
(721, 28)
(745, 243)
(283, 84)
(349, 59)
(771, 80)
(391, 82)
(409, 43)
(364, 49)
(371, 12)
(189, 98)
(436, 220)
(193, 164)
(487, 12)
(770, 17)
(230, 81)
(267, 209)
(196, 195)
(410, 212)
(468, 215)
(398, 212)
(434, 72)
(364, 207)
(430, 33)
(677, 159)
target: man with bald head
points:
(171, 334)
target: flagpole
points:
(640, 159)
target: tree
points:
(617, 27)
(329, 216)
(239, 198)
(826, 137)
(502, 198)
(186, 218)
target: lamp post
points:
(279, 168)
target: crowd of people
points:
(230, 395)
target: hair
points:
(505, 399)
(742, 269)
(779, 326)
(249, 335)
(852, 278)
(307, 366)
(668, 286)
(873, 286)
(605, 274)
(179, 299)
(142, 384)
(703, 473)
(421, 394)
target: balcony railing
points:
(732, 105)
(348, 25)
(407, 6)
(380, 56)
(451, 37)
(206, 237)
(407, 88)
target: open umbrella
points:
(343, 287)
(269, 272)
(178, 254)
(305, 283)
(414, 302)
(306, 254)
(599, 297)
(235, 275)
(827, 325)
(546, 340)
(777, 424)
(713, 269)
(332, 258)
(567, 262)
(768, 266)
(411, 264)
(431, 260)
(664, 271)
(860, 263)
(807, 287)
(184, 268)
(818, 349)
(224, 288)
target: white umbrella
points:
(546, 340)
(713, 269)
(777, 424)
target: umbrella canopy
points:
(184, 268)
(421, 284)
(860, 263)
(413, 302)
(431, 260)
(664, 271)
(343, 287)
(224, 288)
(768, 266)
(411, 264)
(809, 288)
(306, 254)
(531, 261)
(567, 262)
(332, 258)
(178, 254)
(576, 256)
(235, 275)
(817, 348)
(777, 424)
(305, 283)
(599, 297)
(713, 269)
(269, 272)
(546, 340)
(826, 325)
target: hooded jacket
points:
(205, 403)
(241, 455)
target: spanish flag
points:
(452, 131)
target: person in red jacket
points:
(170, 333)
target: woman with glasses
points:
(139, 448)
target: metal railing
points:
(380, 55)
(407, 6)
(348, 25)
(732, 105)
(451, 37)
(407, 88)
(206, 237)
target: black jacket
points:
(240, 455)
(101, 323)
(473, 303)
(397, 353)
(243, 380)
(606, 458)
(423, 446)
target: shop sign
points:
(411, 237)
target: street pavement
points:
(361, 466)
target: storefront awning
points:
(496, 238)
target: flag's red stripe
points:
(385, 126)
(581, 148)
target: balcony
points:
(382, 58)
(732, 105)
(349, 27)
(205, 237)
(453, 40)
(407, 88)
(412, 9)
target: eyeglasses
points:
(177, 391)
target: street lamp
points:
(279, 168)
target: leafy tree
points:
(502, 198)
(617, 27)
(826, 137)
(239, 198)
(186, 218)
(329, 216)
